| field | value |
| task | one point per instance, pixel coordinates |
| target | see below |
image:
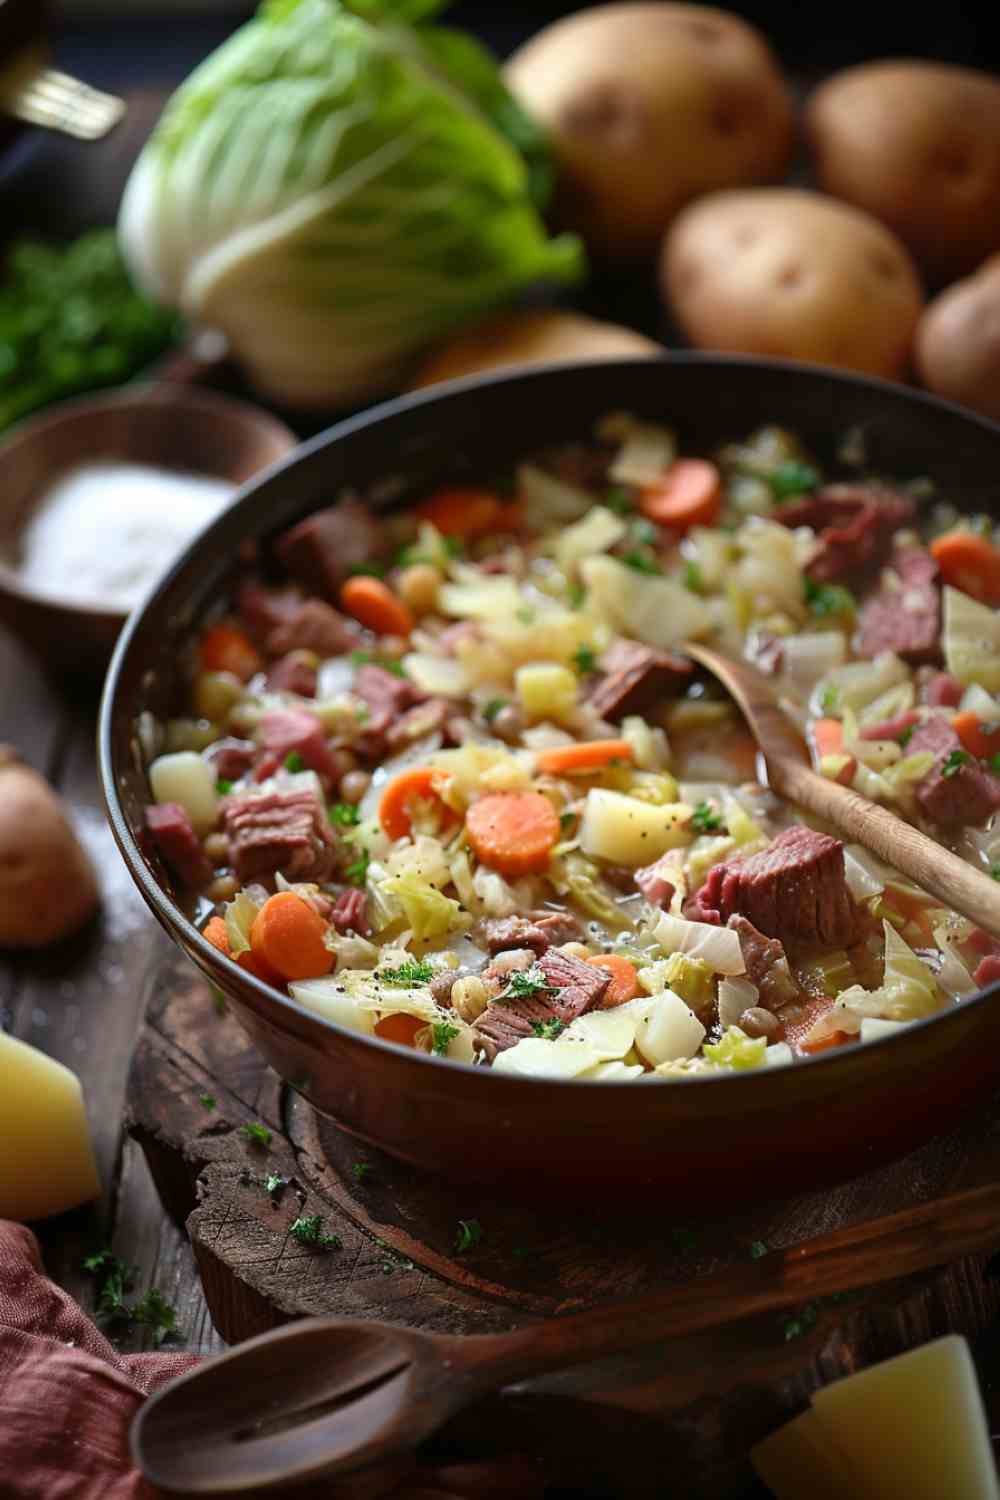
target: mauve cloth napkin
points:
(67, 1398)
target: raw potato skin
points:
(958, 342)
(917, 144)
(648, 106)
(531, 338)
(789, 273)
(47, 885)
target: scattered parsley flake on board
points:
(362, 1170)
(308, 1230)
(207, 1100)
(274, 1183)
(758, 1250)
(256, 1134)
(114, 1278)
(469, 1233)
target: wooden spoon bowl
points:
(164, 425)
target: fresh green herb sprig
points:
(548, 1030)
(357, 873)
(492, 708)
(907, 735)
(826, 599)
(115, 1278)
(829, 699)
(344, 814)
(223, 787)
(585, 660)
(294, 761)
(371, 658)
(954, 762)
(641, 562)
(442, 1036)
(414, 971)
(523, 983)
(308, 1230)
(705, 819)
(791, 479)
(71, 321)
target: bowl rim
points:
(174, 919)
(147, 394)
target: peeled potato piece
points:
(531, 338)
(47, 884)
(785, 272)
(647, 106)
(917, 144)
(958, 342)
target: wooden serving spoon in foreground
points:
(928, 864)
(325, 1396)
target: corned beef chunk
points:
(558, 926)
(905, 616)
(987, 970)
(231, 758)
(279, 830)
(956, 792)
(417, 722)
(263, 610)
(178, 843)
(387, 698)
(855, 524)
(295, 731)
(657, 882)
(766, 964)
(349, 913)
(323, 549)
(572, 989)
(942, 691)
(314, 626)
(502, 933)
(795, 890)
(295, 672)
(634, 676)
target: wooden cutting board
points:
(690, 1409)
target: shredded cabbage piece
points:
(428, 913)
(735, 1049)
(239, 918)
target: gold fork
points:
(39, 95)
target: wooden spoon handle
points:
(848, 1259)
(956, 883)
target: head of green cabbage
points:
(334, 188)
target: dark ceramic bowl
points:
(703, 1143)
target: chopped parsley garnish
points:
(257, 1135)
(442, 1036)
(758, 1250)
(344, 814)
(454, 546)
(567, 820)
(274, 1183)
(644, 533)
(804, 1319)
(829, 699)
(491, 709)
(357, 873)
(207, 1101)
(470, 1232)
(585, 659)
(548, 1030)
(618, 499)
(828, 598)
(361, 1170)
(692, 578)
(308, 1230)
(526, 982)
(223, 787)
(414, 972)
(640, 563)
(366, 570)
(994, 763)
(575, 595)
(907, 735)
(387, 663)
(954, 762)
(294, 761)
(705, 819)
(114, 1279)
(791, 479)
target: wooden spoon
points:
(928, 864)
(324, 1396)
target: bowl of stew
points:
(404, 753)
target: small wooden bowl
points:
(164, 425)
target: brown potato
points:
(918, 145)
(786, 272)
(47, 884)
(540, 337)
(648, 106)
(958, 342)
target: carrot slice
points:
(216, 933)
(689, 494)
(226, 648)
(513, 832)
(287, 935)
(978, 738)
(827, 736)
(467, 512)
(399, 1028)
(624, 979)
(415, 785)
(970, 563)
(795, 1032)
(588, 755)
(373, 603)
